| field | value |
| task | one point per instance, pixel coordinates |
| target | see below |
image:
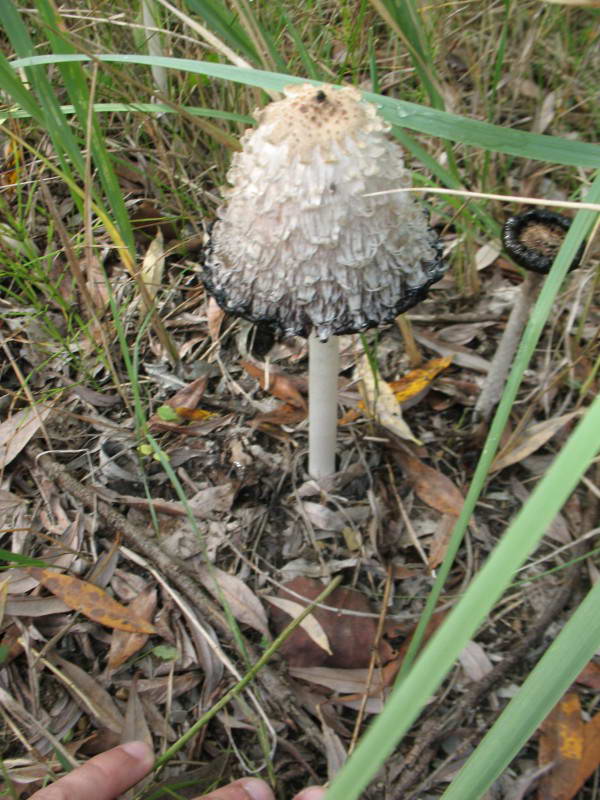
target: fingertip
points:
(312, 793)
(140, 751)
(257, 789)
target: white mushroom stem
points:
(323, 370)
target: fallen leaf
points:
(285, 414)
(530, 440)
(214, 317)
(381, 403)
(440, 540)
(87, 692)
(154, 264)
(17, 430)
(417, 380)
(571, 745)
(276, 383)
(244, 604)
(159, 690)
(351, 637)
(136, 727)
(123, 645)
(186, 398)
(91, 601)
(475, 661)
(590, 675)
(309, 623)
(96, 281)
(431, 486)
(461, 356)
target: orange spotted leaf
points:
(91, 601)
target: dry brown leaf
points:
(431, 486)
(88, 693)
(214, 317)
(96, 281)
(309, 624)
(381, 402)
(349, 685)
(35, 606)
(188, 397)
(285, 414)
(17, 430)
(590, 675)
(244, 604)
(123, 645)
(158, 690)
(530, 440)
(136, 727)
(351, 637)
(571, 745)
(276, 383)
(474, 661)
(440, 540)
(91, 601)
(154, 264)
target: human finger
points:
(244, 789)
(312, 793)
(103, 777)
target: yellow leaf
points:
(92, 601)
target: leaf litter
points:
(245, 519)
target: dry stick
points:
(496, 377)
(277, 692)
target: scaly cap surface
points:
(297, 243)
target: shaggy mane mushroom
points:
(298, 244)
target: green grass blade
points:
(64, 142)
(76, 81)
(109, 108)
(545, 685)
(225, 24)
(523, 534)
(538, 318)
(403, 19)
(430, 121)
(16, 89)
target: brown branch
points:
(278, 694)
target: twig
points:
(496, 377)
(277, 693)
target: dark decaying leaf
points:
(91, 601)
(351, 638)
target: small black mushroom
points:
(533, 238)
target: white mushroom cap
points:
(297, 243)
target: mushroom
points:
(298, 244)
(532, 239)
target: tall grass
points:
(72, 93)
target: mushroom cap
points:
(533, 238)
(297, 243)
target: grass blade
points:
(430, 121)
(519, 540)
(545, 685)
